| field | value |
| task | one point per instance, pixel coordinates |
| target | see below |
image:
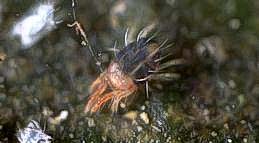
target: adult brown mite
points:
(137, 63)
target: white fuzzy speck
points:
(91, 122)
(34, 26)
(229, 140)
(63, 115)
(144, 117)
(58, 119)
(143, 107)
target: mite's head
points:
(114, 67)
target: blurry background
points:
(215, 100)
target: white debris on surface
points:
(63, 115)
(229, 140)
(33, 134)
(118, 8)
(58, 119)
(34, 26)
(144, 117)
(131, 115)
(212, 47)
(91, 122)
(234, 24)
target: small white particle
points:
(139, 128)
(63, 115)
(245, 140)
(214, 134)
(233, 106)
(143, 107)
(58, 119)
(91, 122)
(231, 84)
(83, 43)
(71, 135)
(122, 105)
(234, 24)
(144, 117)
(230, 140)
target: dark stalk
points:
(80, 31)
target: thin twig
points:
(74, 10)
(80, 31)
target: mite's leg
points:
(145, 31)
(100, 80)
(117, 99)
(175, 62)
(160, 74)
(99, 88)
(147, 88)
(123, 94)
(103, 100)
(165, 76)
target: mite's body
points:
(133, 65)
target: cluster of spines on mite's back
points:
(143, 57)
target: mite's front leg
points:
(99, 81)
(103, 100)
(99, 87)
(122, 94)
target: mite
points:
(134, 65)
